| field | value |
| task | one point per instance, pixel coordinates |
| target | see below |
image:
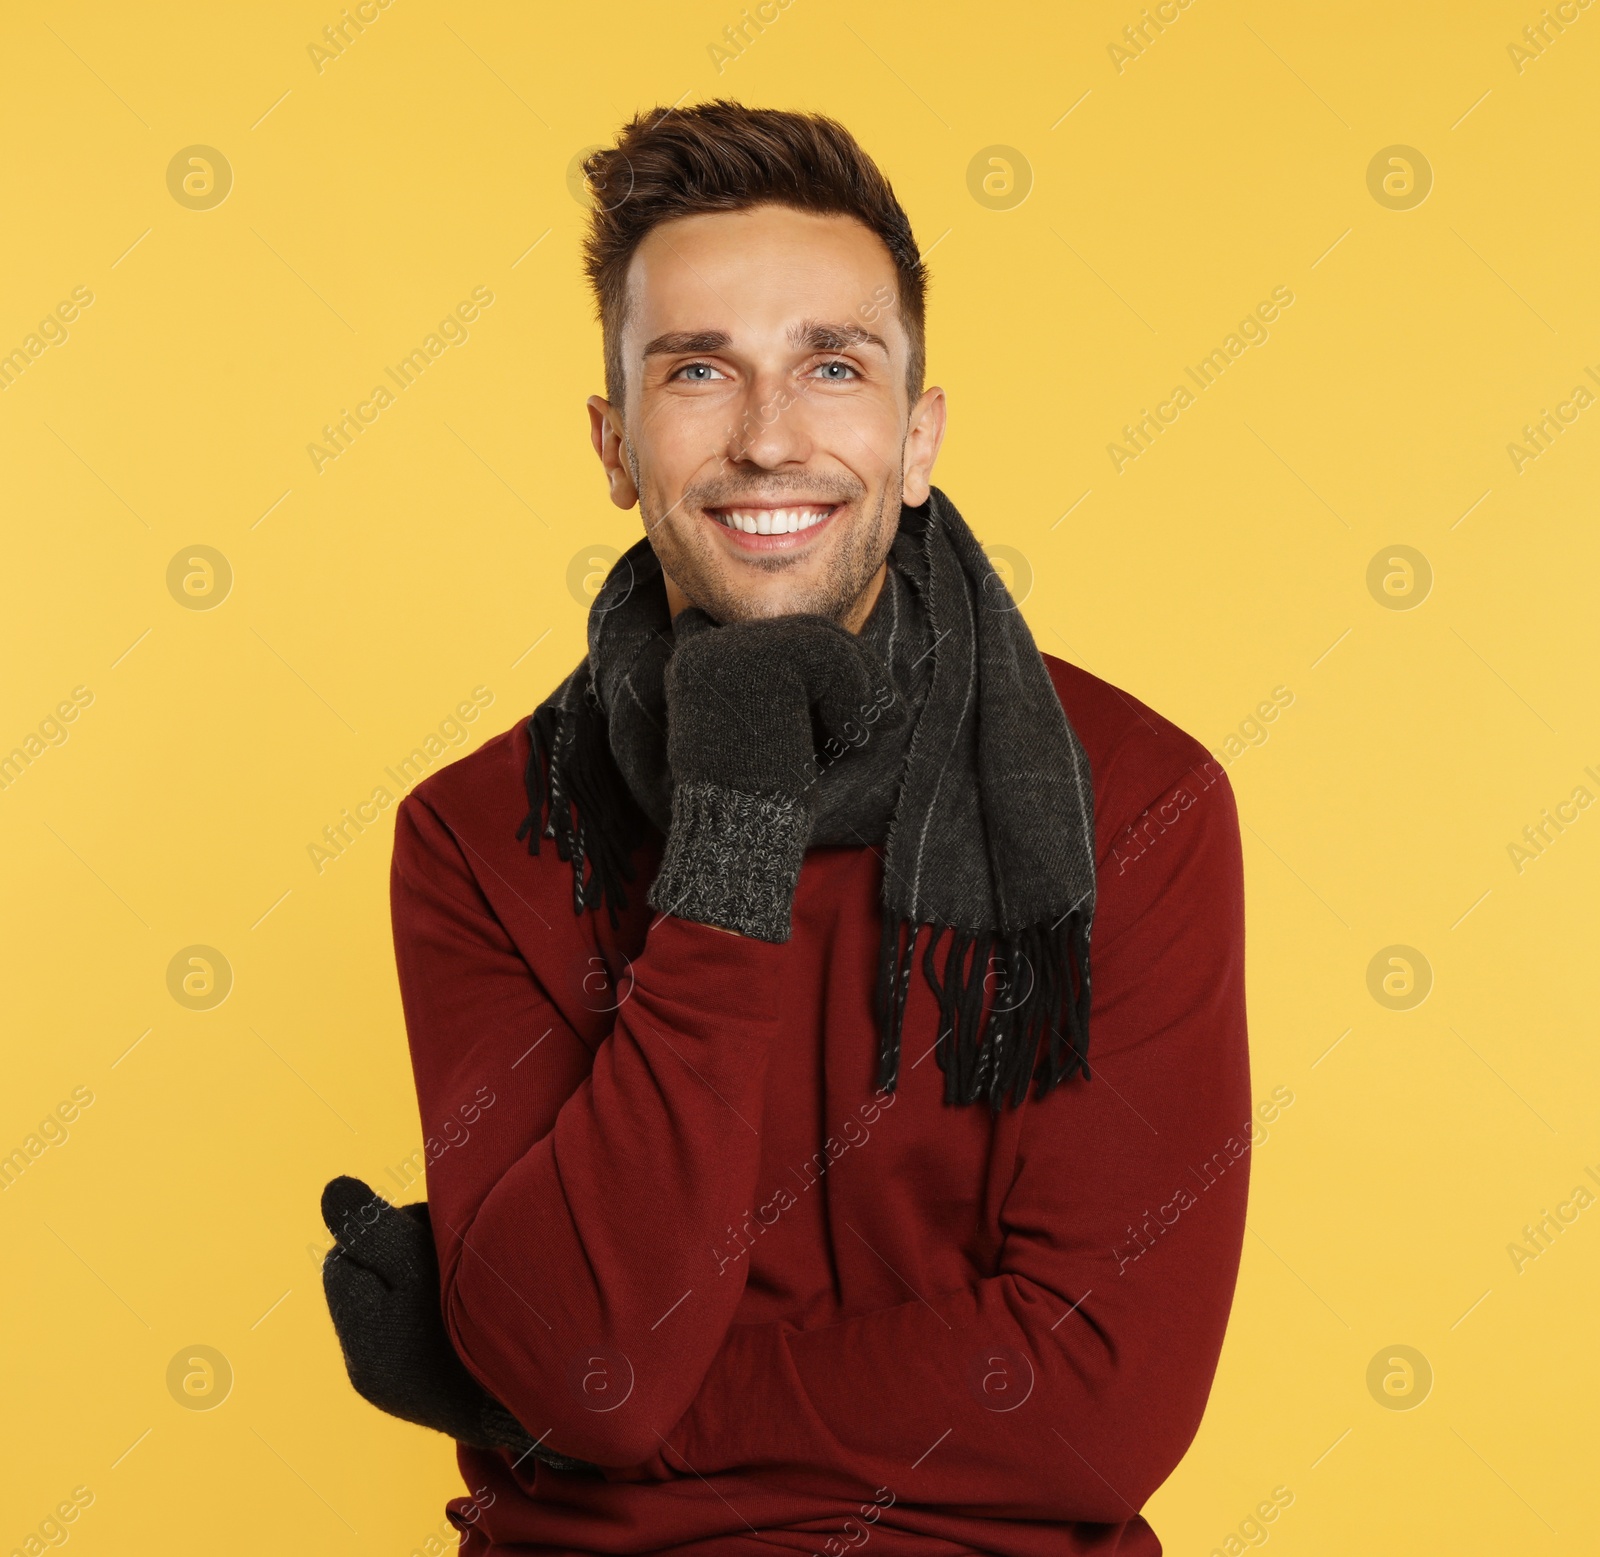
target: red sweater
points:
(681, 1233)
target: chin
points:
(728, 603)
(756, 610)
(819, 570)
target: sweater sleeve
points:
(571, 1173)
(1067, 1384)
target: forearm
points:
(573, 1286)
(1002, 1397)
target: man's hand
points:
(744, 704)
(381, 1280)
(740, 700)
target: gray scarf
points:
(980, 803)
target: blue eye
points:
(696, 372)
(835, 371)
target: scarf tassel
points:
(1037, 1025)
(1036, 1029)
(562, 774)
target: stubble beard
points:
(692, 560)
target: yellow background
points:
(369, 599)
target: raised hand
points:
(744, 704)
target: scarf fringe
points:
(571, 748)
(1037, 1025)
(1036, 1030)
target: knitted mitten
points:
(747, 704)
(381, 1280)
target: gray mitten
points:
(381, 1280)
(748, 706)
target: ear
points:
(924, 434)
(605, 433)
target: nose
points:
(771, 427)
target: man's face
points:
(767, 435)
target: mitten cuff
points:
(732, 859)
(496, 1428)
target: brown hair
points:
(722, 156)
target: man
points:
(774, 1197)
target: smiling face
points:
(767, 434)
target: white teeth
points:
(772, 521)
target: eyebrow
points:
(813, 334)
(677, 343)
(821, 336)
